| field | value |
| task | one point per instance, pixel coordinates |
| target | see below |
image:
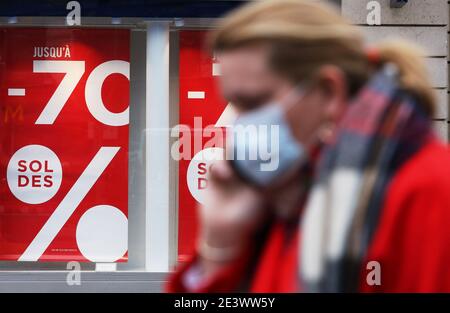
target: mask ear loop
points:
(293, 97)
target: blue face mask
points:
(263, 147)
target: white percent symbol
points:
(115, 234)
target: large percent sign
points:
(35, 173)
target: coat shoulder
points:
(427, 171)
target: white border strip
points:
(157, 229)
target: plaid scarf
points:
(383, 127)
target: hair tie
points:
(373, 55)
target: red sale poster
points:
(64, 101)
(201, 108)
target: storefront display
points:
(74, 149)
(64, 96)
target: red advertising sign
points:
(64, 100)
(202, 109)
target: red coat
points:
(412, 242)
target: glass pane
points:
(201, 107)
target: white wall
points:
(424, 22)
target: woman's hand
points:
(231, 214)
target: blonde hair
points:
(304, 35)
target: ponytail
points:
(413, 73)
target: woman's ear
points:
(332, 83)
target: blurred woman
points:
(357, 163)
